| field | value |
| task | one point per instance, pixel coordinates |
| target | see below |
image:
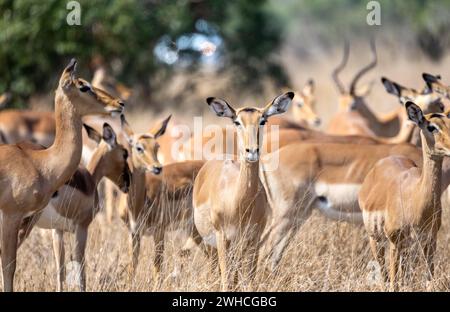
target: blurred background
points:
(174, 53)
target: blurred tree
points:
(35, 39)
(427, 22)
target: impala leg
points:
(222, 246)
(429, 250)
(394, 260)
(110, 196)
(26, 227)
(58, 251)
(135, 247)
(252, 258)
(194, 239)
(10, 230)
(81, 233)
(278, 241)
(158, 238)
(378, 252)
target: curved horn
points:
(340, 67)
(366, 69)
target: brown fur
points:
(30, 177)
(399, 199)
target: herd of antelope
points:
(388, 173)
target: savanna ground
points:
(323, 256)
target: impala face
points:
(351, 98)
(427, 100)
(435, 84)
(87, 99)
(303, 105)
(435, 128)
(249, 121)
(144, 147)
(111, 157)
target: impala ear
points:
(4, 99)
(68, 74)
(127, 131)
(434, 84)
(415, 114)
(392, 87)
(308, 89)
(160, 129)
(221, 107)
(279, 105)
(109, 136)
(92, 133)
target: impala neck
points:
(60, 161)
(374, 121)
(431, 175)
(404, 136)
(247, 185)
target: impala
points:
(75, 204)
(400, 199)
(143, 158)
(427, 100)
(29, 177)
(303, 110)
(106, 82)
(168, 207)
(26, 125)
(354, 116)
(325, 176)
(435, 84)
(4, 99)
(230, 204)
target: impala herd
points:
(388, 173)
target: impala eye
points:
(84, 88)
(139, 149)
(432, 128)
(237, 123)
(262, 122)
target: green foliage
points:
(35, 39)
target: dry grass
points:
(323, 256)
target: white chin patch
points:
(115, 114)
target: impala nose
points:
(317, 122)
(252, 155)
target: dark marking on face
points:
(436, 116)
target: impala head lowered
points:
(144, 147)
(87, 99)
(110, 156)
(349, 100)
(249, 121)
(435, 128)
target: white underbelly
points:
(342, 196)
(51, 219)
